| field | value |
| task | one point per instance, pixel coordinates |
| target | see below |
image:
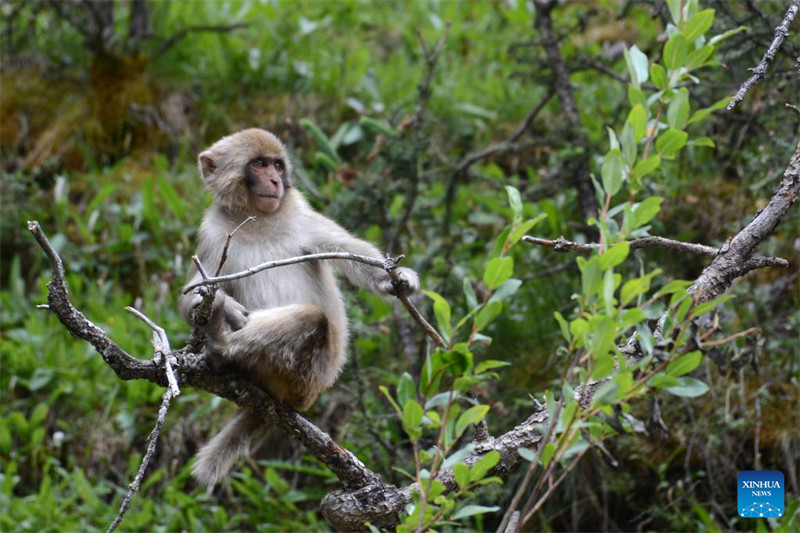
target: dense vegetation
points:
(449, 159)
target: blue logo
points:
(760, 494)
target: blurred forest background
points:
(104, 107)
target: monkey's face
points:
(265, 177)
(248, 171)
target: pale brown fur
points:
(287, 326)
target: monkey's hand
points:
(407, 283)
(235, 313)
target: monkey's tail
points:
(215, 459)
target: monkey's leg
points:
(215, 459)
(289, 350)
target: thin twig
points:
(151, 448)
(209, 280)
(781, 32)
(562, 245)
(177, 37)
(726, 340)
(228, 243)
(161, 347)
(508, 143)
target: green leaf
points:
(670, 142)
(684, 364)
(469, 294)
(520, 230)
(170, 196)
(675, 52)
(660, 381)
(527, 454)
(377, 126)
(562, 324)
(698, 57)
(321, 140)
(659, 76)
(498, 271)
(490, 364)
(674, 286)
(499, 243)
(458, 456)
(441, 309)
(701, 141)
(611, 172)
(483, 465)
(613, 143)
(698, 25)
(461, 473)
(636, 96)
(548, 452)
(646, 166)
(675, 10)
(678, 110)
(722, 36)
(325, 161)
(637, 65)
(705, 307)
(604, 365)
(506, 290)
(629, 148)
(406, 390)
(472, 510)
(515, 201)
(637, 118)
(386, 393)
(591, 274)
(412, 416)
(688, 388)
(606, 394)
(473, 415)
(636, 286)
(614, 256)
(700, 114)
(645, 211)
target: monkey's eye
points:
(279, 166)
(258, 163)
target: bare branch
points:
(563, 245)
(125, 365)
(228, 244)
(781, 32)
(177, 37)
(151, 448)
(734, 258)
(161, 348)
(424, 91)
(578, 166)
(507, 144)
(207, 280)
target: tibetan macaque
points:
(287, 326)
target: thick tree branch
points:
(125, 365)
(735, 256)
(781, 32)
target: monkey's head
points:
(248, 171)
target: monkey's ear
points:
(207, 164)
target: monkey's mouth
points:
(264, 195)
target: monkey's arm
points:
(329, 236)
(235, 313)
